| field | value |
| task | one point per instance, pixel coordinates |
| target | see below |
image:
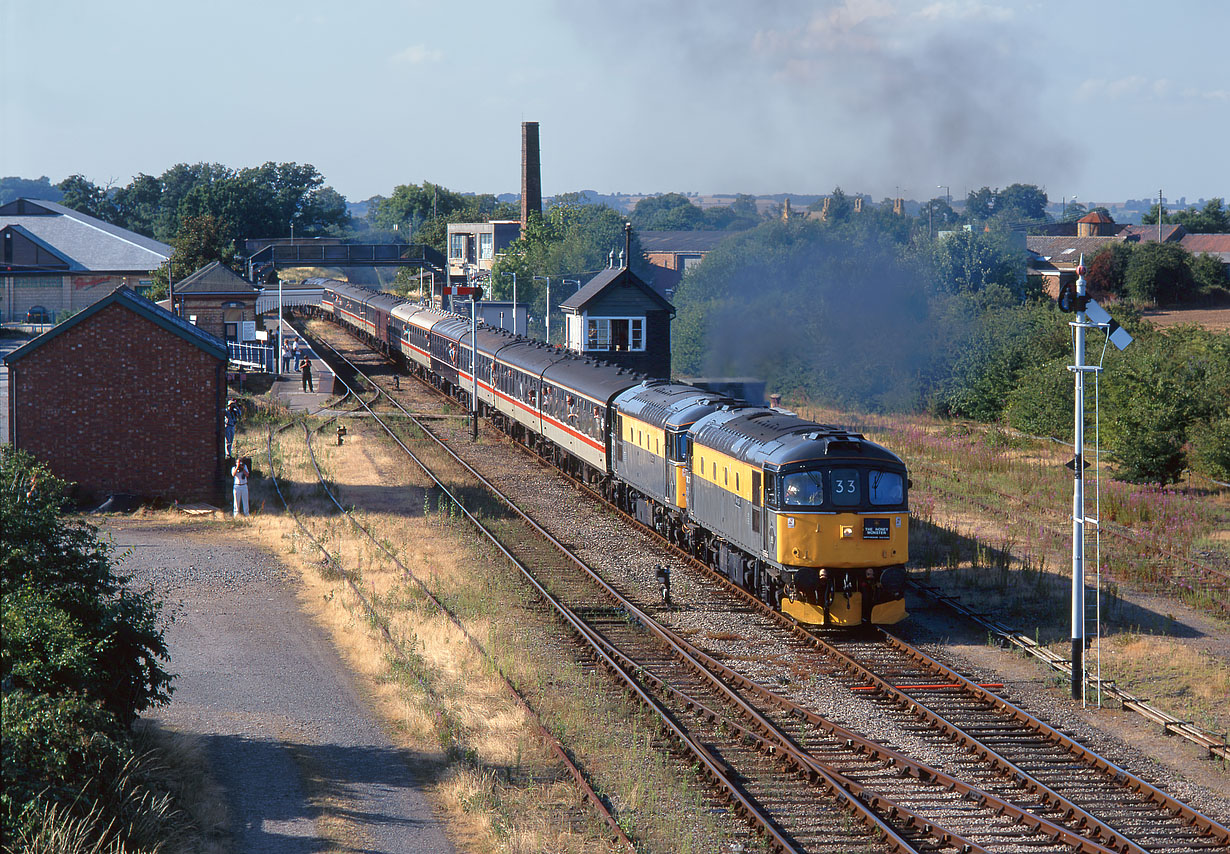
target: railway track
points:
(1066, 818)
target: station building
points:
(123, 397)
(219, 301)
(55, 260)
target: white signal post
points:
(1078, 497)
(1088, 315)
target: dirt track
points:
(304, 763)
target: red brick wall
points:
(119, 404)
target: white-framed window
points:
(456, 245)
(605, 334)
(486, 246)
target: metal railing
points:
(261, 357)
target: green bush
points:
(60, 749)
(1211, 449)
(56, 576)
(81, 654)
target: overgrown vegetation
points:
(81, 655)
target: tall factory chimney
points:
(531, 173)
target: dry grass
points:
(442, 701)
(1192, 685)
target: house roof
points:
(128, 298)
(1065, 250)
(215, 278)
(1215, 244)
(681, 241)
(1096, 217)
(86, 243)
(1170, 231)
(608, 277)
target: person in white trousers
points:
(240, 473)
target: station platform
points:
(288, 386)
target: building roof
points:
(1097, 217)
(215, 278)
(1170, 231)
(1212, 243)
(1065, 250)
(128, 298)
(599, 283)
(86, 244)
(682, 241)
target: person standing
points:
(286, 357)
(294, 349)
(240, 473)
(306, 367)
(231, 421)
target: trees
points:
(1108, 270)
(83, 195)
(970, 261)
(1213, 218)
(25, 188)
(81, 653)
(1014, 203)
(201, 240)
(1158, 273)
(572, 241)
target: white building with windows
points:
(473, 246)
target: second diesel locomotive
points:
(810, 518)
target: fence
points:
(259, 357)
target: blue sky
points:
(1103, 101)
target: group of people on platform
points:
(293, 357)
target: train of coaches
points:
(810, 518)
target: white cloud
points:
(417, 54)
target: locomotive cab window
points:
(803, 489)
(887, 488)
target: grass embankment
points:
(444, 702)
(991, 525)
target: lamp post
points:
(548, 281)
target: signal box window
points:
(486, 242)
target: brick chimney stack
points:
(531, 173)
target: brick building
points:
(60, 260)
(123, 397)
(219, 301)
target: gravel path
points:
(282, 722)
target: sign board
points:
(248, 331)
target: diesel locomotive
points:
(810, 518)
